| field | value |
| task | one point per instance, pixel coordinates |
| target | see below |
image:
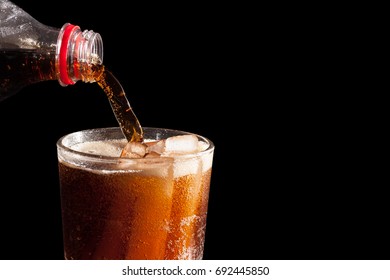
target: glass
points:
(122, 208)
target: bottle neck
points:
(77, 55)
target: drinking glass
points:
(132, 208)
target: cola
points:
(154, 207)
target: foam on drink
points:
(110, 148)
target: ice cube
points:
(134, 150)
(181, 144)
(152, 155)
(156, 147)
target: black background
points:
(290, 179)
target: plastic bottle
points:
(32, 52)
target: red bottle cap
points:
(64, 54)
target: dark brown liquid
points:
(133, 215)
(21, 68)
(120, 105)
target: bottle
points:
(32, 52)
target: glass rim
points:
(60, 145)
